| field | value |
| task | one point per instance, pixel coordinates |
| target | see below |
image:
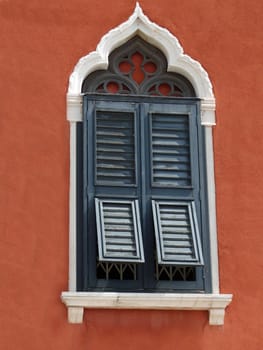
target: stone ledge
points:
(215, 304)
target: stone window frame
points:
(76, 302)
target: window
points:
(103, 82)
(142, 209)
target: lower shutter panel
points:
(119, 231)
(177, 234)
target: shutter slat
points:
(114, 133)
(182, 175)
(114, 213)
(117, 172)
(116, 166)
(118, 141)
(118, 235)
(173, 166)
(165, 119)
(172, 159)
(174, 244)
(121, 221)
(160, 126)
(121, 241)
(170, 215)
(167, 143)
(119, 231)
(121, 248)
(174, 222)
(121, 226)
(178, 152)
(117, 150)
(167, 133)
(179, 237)
(171, 229)
(176, 232)
(114, 157)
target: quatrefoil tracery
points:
(138, 68)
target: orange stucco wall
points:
(40, 42)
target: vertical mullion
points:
(89, 229)
(139, 175)
(136, 128)
(146, 195)
(193, 150)
(195, 178)
(205, 273)
(140, 187)
(84, 195)
(80, 252)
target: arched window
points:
(144, 224)
(142, 192)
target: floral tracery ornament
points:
(138, 68)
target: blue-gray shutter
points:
(177, 233)
(171, 166)
(119, 230)
(115, 148)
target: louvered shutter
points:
(119, 231)
(140, 152)
(112, 183)
(170, 150)
(175, 184)
(177, 233)
(115, 148)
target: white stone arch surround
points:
(139, 24)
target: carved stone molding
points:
(74, 108)
(215, 304)
(139, 24)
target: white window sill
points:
(76, 302)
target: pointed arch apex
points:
(138, 8)
(139, 24)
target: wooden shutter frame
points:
(101, 234)
(146, 101)
(195, 235)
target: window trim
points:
(215, 304)
(139, 24)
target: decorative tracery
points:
(138, 68)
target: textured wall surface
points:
(40, 42)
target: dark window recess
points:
(116, 271)
(174, 273)
(141, 218)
